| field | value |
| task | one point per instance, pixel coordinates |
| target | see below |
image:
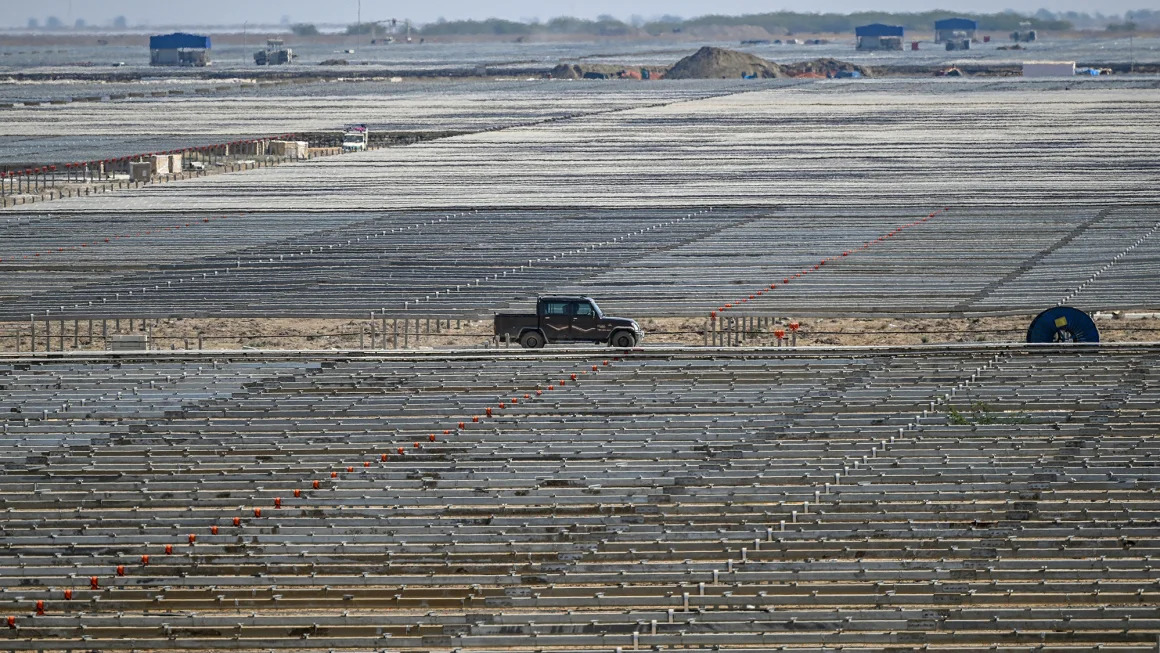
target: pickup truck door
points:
(584, 321)
(556, 320)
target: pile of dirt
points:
(824, 68)
(567, 71)
(715, 63)
(605, 71)
(719, 63)
(578, 71)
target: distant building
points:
(179, 49)
(879, 37)
(954, 29)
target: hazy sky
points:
(15, 13)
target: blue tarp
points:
(178, 41)
(878, 29)
(955, 24)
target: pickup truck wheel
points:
(623, 339)
(531, 340)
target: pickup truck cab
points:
(567, 319)
(355, 138)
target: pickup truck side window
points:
(584, 309)
(555, 308)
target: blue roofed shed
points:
(878, 30)
(877, 36)
(950, 29)
(179, 49)
(179, 41)
(956, 23)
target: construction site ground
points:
(316, 334)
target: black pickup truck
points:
(567, 319)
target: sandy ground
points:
(235, 333)
(887, 331)
(60, 187)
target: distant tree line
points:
(779, 22)
(792, 22)
(1130, 21)
(788, 22)
(602, 26)
(55, 23)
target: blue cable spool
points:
(1063, 324)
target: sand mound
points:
(823, 68)
(715, 63)
(719, 63)
(567, 71)
(604, 71)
